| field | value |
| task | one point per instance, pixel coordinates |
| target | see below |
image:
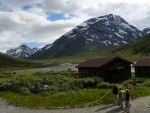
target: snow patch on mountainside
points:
(83, 24)
(119, 35)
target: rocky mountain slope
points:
(96, 34)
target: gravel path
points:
(140, 105)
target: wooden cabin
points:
(142, 68)
(111, 69)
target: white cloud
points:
(18, 26)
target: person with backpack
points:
(115, 94)
(127, 100)
(120, 98)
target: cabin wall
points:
(88, 72)
(142, 72)
(117, 75)
(120, 75)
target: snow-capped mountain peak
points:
(146, 30)
(95, 34)
(22, 51)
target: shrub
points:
(104, 85)
(60, 81)
(134, 80)
(147, 83)
(5, 85)
(24, 90)
(5, 75)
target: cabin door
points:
(118, 74)
(115, 75)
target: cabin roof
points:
(98, 62)
(142, 63)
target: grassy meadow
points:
(63, 89)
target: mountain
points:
(22, 51)
(138, 47)
(96, 34)
(146, 30)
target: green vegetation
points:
(47, 83)
(59, 99)
(63, 89)
(136, 50)
(139, 87)
(8, 63)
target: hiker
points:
(120, 98)
(127, 100)
(130, 95)
(115, 94)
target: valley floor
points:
(140, 105)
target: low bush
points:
(46, 82)
(5, 75)
(147, 83)
(104, 85)
(134, 80)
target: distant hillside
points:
(6, 59)
(138, 47)
(9, 62)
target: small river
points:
(61, 67)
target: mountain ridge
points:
(96, 34)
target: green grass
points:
(79, 98)
(139, 91)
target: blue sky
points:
(40, 22)
(33, 44)
(26, 7)
(55, 16)
(50, 15)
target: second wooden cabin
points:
(142, 68)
